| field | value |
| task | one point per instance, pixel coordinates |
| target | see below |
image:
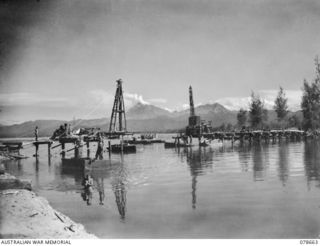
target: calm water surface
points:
(257, 191)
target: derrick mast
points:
(193, 119)
(118, 112)
(191, 102)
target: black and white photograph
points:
(159, 119)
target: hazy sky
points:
(60, 59)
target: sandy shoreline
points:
(24, 214)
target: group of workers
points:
(62, 131)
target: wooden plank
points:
(56, 146)
(9, 143)
(42, 142)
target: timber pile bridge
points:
(203, 130)
(257, 136)
(196, 128)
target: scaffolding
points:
(118, 112)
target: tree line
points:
(256, 116)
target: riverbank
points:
(23, 214)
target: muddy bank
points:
(23, 214)
(8, 181)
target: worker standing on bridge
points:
(36, 132)
(69, 130)
(65, 129)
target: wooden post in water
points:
(121, 144)
(88, 148)
(49, 149)
(76, 150)
(63, 150)
(49, 153)
(109, 147)
(37, 149)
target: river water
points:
(219, 191)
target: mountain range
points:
(140, 118)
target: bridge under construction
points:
(201, 129)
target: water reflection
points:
(312, 161)
(259, 155)
(14, 167)
(72, 172)
(36, 165)
(100, 187)
(121, 200)
(198, 161)
(194, 174)
(119, 181)
(244, 155)
(87, 189)
(283, 162)
(258, 162)
(97, 175)
(101, 172)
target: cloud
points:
(101, 97)
(185, 106)
(268, 97)
(105, 99)
(96, 104)
(27, 99)
(234, 103)
(133, 98)
(100, 102)
(294, 97)
(168, 109)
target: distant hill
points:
(141, 117)
(26, 129)
(146, 111)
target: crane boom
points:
(192, 113)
